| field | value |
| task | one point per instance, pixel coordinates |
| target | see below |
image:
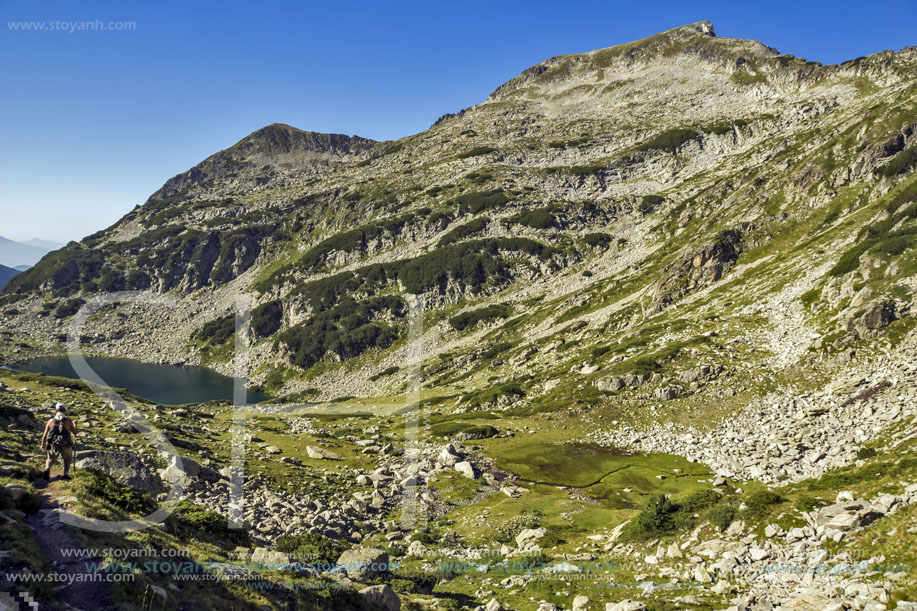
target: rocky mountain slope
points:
(685, 246)
(638, 174)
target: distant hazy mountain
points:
(43, 244)
(6, 273)
(21, 268)
(13, 253)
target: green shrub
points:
(597, 239)
(759, 503)
(451, 429)
(68, 308)
(463, 231)
(656, 519)
(479, 178)
(526, 520)
(702, 499)
(809, 503)
(586, 170)
(473, 263)
(478, 201)
(347, 329)
(669, 140)
(650, 203)
(266, 318)
(486, 314)
(98, 485)
(385, 372)
(476, 151)
(189, 517)
(493, 394)
(537, 218)
(721, 516)
(216, 332)
(864, 453)
(495, 349)
(111, 280)
(354, 240)
(310, 547)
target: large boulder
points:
(846, 515)
(667, 393)
(383, 596)
(609, 384)
(697, 270)
(632, 380)
(321, 454)
(124, 467)
(364, 563)
(184, 470)
(703, 373)
(466, 469)
(449, 455)
(880, 315)
(530, 535)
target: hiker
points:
(57, 441)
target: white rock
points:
(529, 535)
(625, 605)
(466, 469)
(580, 602)
(701, 575)
(493, 605)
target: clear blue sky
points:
(92, 122)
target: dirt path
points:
(53, 537)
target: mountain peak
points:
(274, 143)
(704, 27)
(696, 41)
(280, 138)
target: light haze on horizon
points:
(94, 121)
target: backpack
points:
(59, 437)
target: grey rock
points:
(125, 467)
(364, 563)
(383, 596)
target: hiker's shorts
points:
(65, 454)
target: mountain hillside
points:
(6, 274)
(589, 180)
(662, 298)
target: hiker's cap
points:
(61, 407)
